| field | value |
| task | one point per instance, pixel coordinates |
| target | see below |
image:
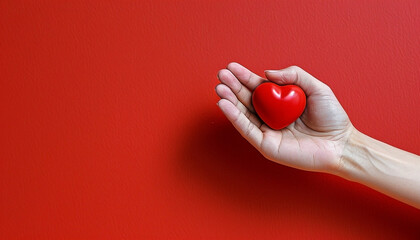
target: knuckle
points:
(295, 68)
(247, 114)
(249, 129)
(328, 88)
(240, 89)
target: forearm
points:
(382, 167)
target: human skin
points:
(322, 139)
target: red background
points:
(109, 126)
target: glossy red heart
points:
(278, 106)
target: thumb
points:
(297, 76)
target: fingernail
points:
(271, 71)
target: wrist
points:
(382, 167)
(352, 158)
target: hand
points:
(315, 141)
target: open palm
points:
(313, 142)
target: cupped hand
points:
(314, 142)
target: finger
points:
(245, 76)
(225, 92)
(242, 93)
(297, 76)
(244, 126)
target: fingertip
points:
(237, 69)
(232, 65)
(230, 80)
(223, 74)
(217, 89)
(269, 73)
(223, 103)
(227, 107)
(219, 73)
(225, 92)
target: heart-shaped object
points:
(278, 106)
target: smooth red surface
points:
(278, 106)
(109, 127)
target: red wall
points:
(109, 126)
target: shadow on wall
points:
(217, 158)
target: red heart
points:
(278, 106)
